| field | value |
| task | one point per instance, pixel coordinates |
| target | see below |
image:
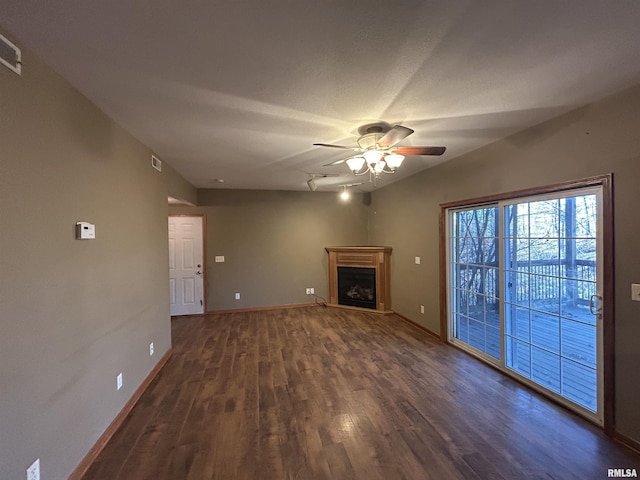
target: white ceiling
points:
(241, 89)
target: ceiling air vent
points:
(156, 163)
(10, 55)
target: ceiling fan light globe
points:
(379, 167)
(372, 156)
(394, 160)
(355, 164)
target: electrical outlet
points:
(308, 291)
(151, 349)
(33, 472)
(237, 295)
(312, 291)
(119, 381)
(417, 260)
(635, 292)
(421, 308)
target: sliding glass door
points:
(524, 291)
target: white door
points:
(186, 265)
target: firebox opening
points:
(357, 287)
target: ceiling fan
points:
(378, 150)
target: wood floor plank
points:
(315, 393)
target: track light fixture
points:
(311, 183)
(344, 194)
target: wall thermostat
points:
(85, 231)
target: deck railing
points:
(549, 280)
(545, 280)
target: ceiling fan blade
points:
(334, 146)
(420, 150)
(395, 135)
(337, 162)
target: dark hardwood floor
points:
(322, 393)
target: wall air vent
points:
(156, 163)
(10, 55)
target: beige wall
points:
(593, 140)
(273, 243)
(73, 314)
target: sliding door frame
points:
(608, 333)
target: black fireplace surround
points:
(357, 287)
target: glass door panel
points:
(550, 274)
(474, 270)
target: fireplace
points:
(359, 277)
(357, 287)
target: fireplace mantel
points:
(378, 258)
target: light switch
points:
(219, 259)
(635, 292)
(417, 260)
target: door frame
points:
(204, 253)
(608, 327)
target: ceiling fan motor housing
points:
(376, 127)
